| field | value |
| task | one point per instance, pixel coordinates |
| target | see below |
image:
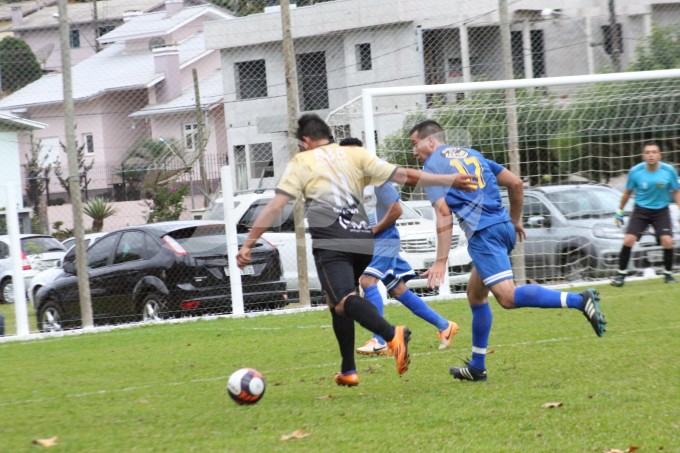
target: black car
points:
(161, 270)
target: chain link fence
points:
(166, 93)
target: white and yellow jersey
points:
(331, 179)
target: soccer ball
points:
(246, 386)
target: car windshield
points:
(204, 239)
(40, 244)
(408, 213)
(216, 211)
(581, 204)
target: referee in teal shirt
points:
(654, 184)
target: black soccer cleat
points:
(468, 373)
(668, 278)
(619, 280)
(592, 312)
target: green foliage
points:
(83, 168)
(98, 209)
(37, 176)
(18, 65)
(167, 203)
(659, 51)
(60, 234)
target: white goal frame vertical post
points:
(232, 241)
(367, 94)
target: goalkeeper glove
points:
(618, 218)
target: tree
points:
(98, 210)
(18, 65)
(661, 50)
(82, 169)
(37, 179)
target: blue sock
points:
(372, 294)
(538, 296)
(421, 309)
(481, 328)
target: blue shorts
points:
(387, 265)
(490, 252)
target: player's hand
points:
(519, 230)
(243, 257)
(618, 218)
(435, 274)
(467, 183)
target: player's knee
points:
(366, 280)
(506, 302)
(398, 290)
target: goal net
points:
(576, 138)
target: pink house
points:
(138, 86)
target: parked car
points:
(423, 207)
(571, 234)
(38, 252)
(418, 242)
(49, 275)
(160, 270)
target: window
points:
(104, 29)
(130, 248)
(285, 222)
(88, 142)
(98, 255)
(537, 53)
(251, 79)
(312, 80)
(609, 39)
(190, 131)
(241, 166)
(75, 38)
(341, 131)
(363, 55)
(261, 160)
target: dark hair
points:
(652, 143)
(351, 141)
(427, 128)
(311, 125)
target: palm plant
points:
(98, 209)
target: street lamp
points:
(550, 13)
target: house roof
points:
(114, 69)
(20, 123)
(82, 12)
(28, 7)
(155, 24)
(211, 92)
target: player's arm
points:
(269, 214)
(435, 275)
(515, 187)
(389, 218)
(626, 196)
(676, 196)
(418, 178)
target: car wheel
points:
(575, 266)
(152, 308)
(7, 291)
(50, 318)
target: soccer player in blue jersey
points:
(653, 183)
(394, 271)
(491, 235)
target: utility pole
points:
(73, 174)
(292, 108)
(95, 25)
(614, 37)
(513, 130)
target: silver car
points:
(38, 252)
(571, 234)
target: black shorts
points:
(339, 271)
(641, 218)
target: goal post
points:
(588, 128)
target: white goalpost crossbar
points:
(367, 94)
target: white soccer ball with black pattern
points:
(246, 386)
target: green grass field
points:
(162, 388)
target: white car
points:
(38, 252)
(49, 275)
(422, 207)
(418, 242)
